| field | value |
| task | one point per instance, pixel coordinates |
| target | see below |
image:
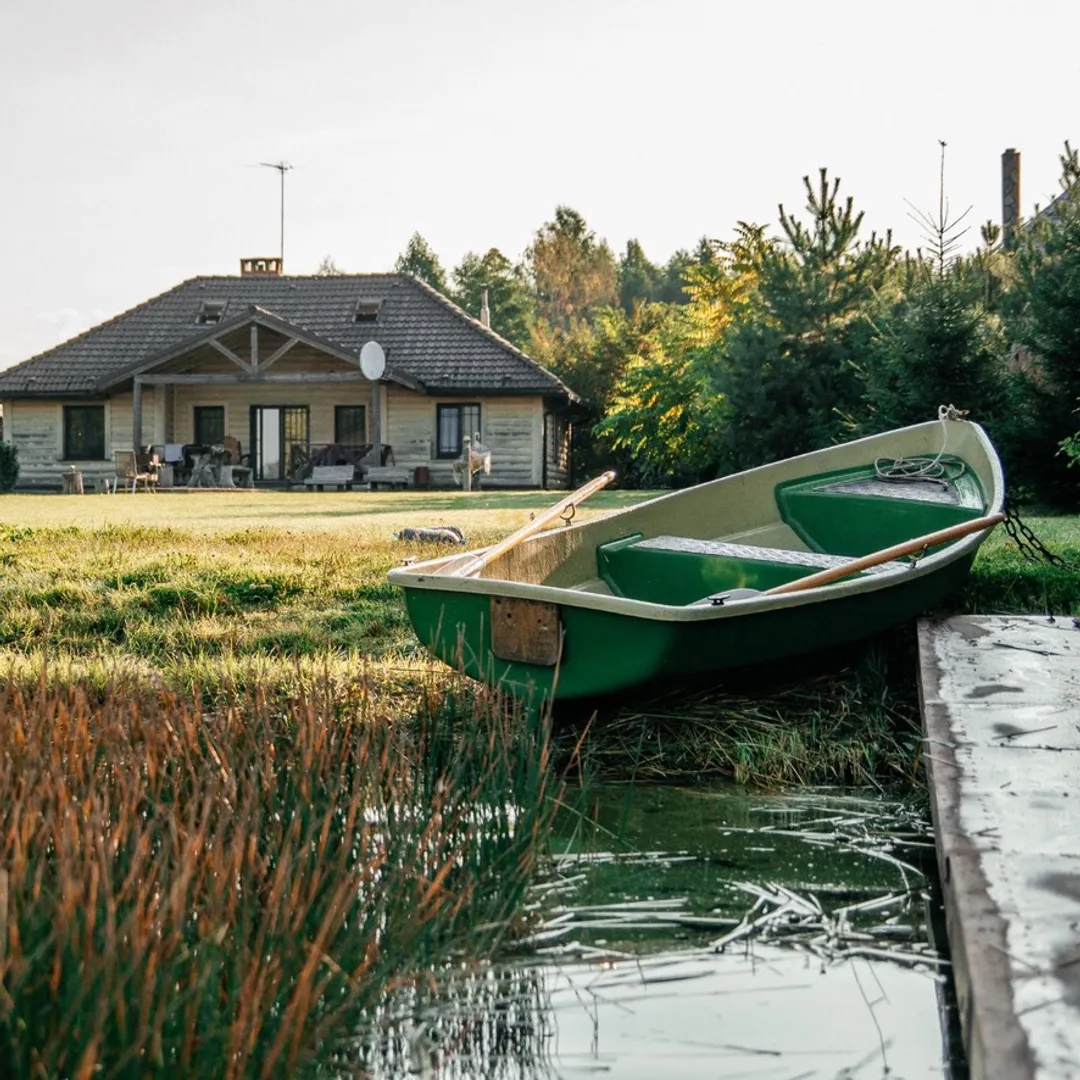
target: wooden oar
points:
(474, 566)
(897, 551)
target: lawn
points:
(228, 590)
(481, 514)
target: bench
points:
(813, 560)
(680, 570)
(340, 476)
(393, 476)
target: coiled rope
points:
(925, 469)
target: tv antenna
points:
(282, 167)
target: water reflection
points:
(622, 977)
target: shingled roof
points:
(429, 341)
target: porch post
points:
(376, 421)
(160, 414)
(136, 413)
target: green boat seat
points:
(680, 570)
(855, 512)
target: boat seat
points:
(679, 570)
(814, 560)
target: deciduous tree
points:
(509, 299)
(573, 273)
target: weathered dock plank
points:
(1001, 715)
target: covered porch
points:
(278, 399)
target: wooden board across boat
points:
(680, 585)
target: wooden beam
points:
(136, 414)
(226, 351)
(257, 377)
(277, 354)
(254, 365)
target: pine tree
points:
(420, 260)
(937, 344)
(935, 348)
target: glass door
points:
(279, 433)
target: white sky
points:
(130, 129)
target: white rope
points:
(929, 469)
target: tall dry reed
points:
(223, 894)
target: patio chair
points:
(128, 473)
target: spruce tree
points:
(789, 378)
(1047, 325)
(937, 344)
(420, 260)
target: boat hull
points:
(608, 653)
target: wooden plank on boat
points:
(999, 704)
(526, 631)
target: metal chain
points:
(1031, 547)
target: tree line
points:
(781, 340)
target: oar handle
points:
(474, 566)
(897, 551)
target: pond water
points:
(702, 932)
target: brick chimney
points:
(1010, 196)
(269, 267)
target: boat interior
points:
(764, 527)
(824, 522)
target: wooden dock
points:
(1001, 716)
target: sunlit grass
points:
(359, 513)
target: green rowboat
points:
(680, 585)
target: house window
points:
(350, 425)
(454, 422)
(84, 432)
(366, 311)
(209, 424)
(211, 312)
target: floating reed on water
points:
(224, 894)
(857, 726)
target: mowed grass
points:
(376, 514)
(216, 590)
(1004, 581)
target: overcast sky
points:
(131, 129)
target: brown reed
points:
(224, 893)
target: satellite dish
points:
(373, 360)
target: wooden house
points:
(273, 361)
